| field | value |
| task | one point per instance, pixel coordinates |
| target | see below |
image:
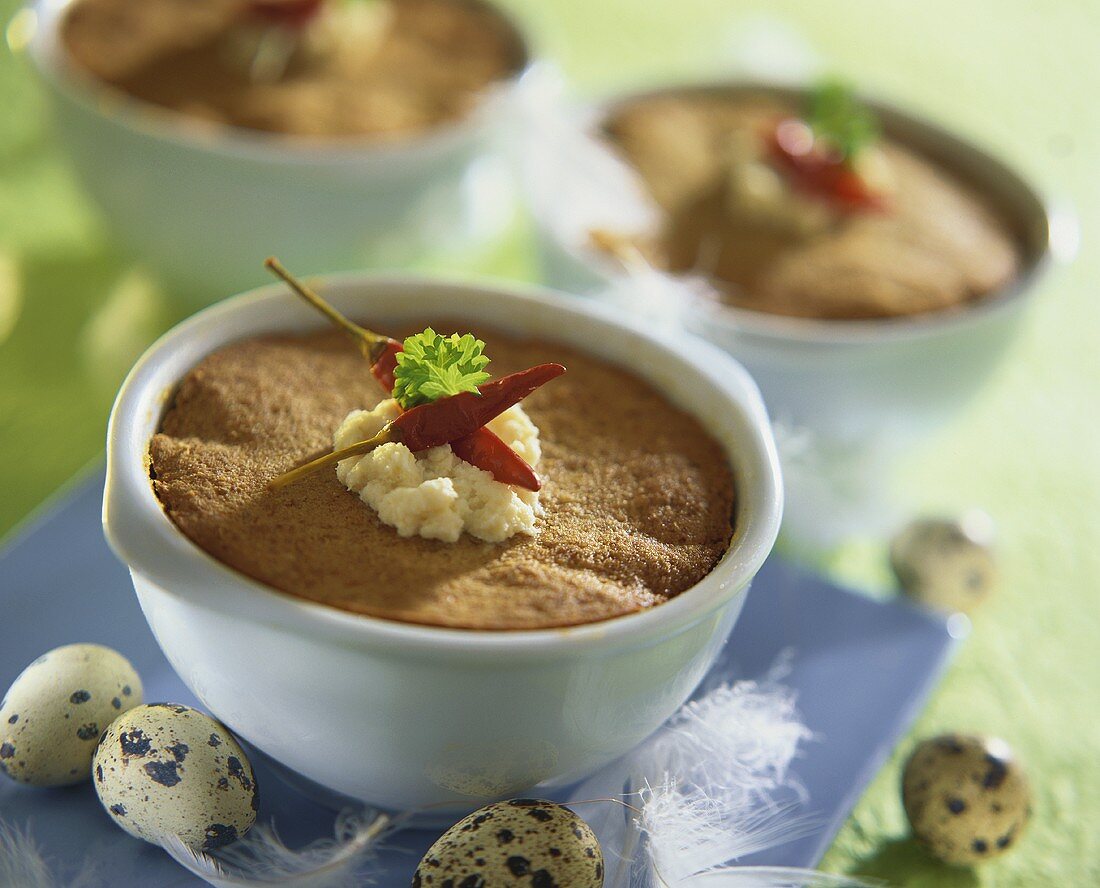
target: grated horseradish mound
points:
(433, 493)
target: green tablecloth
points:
(1021, 77)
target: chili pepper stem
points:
(370, 343)
(621, 249)
(387, 436)
(272, 55)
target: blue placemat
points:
(862, 670)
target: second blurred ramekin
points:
(204, 205)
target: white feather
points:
(774, 877)
(739, 739)
(573, 182)
(262, 859)
(579, 187)
(715, 783)
(663, 299)
(712, 786)
(21, 861)
(690, 832)
(23, 865)
(837, 486)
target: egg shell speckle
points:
(522, 842)
(966, 797)
(166, 769)
(52, 716)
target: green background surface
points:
(1021, 77)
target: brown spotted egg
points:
(946, 564)
(966, 797)
(166, 769)
(522, 842)
(54, 713)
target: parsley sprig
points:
(838, 117)
(434, 366)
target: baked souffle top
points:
(808, 210)
(635, 507)
(313, 68)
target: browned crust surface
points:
(638, 497)
(430, 65)
(939, 247)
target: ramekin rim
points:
(128, 493)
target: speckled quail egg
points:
(946, 564)
(518, 842)
(966, 797)
(166, 769)
(53, 714)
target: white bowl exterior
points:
(204, 207)
(887, 390)
(403, 715)
(410, 730)
(884, 387)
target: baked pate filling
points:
(637, 496)
(807, 211)
(384, 69)
(455, 506)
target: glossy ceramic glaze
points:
(403, 715)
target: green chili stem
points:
(370, 343)
(386, 436)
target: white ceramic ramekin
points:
(204, 205)
(851, 395)
(403, 715)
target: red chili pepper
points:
(482, 448)
(485, 450)
(448, 419)
(386, 363)
(287, 13)
(820, 173)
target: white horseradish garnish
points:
(433, 493)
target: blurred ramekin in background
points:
(203, 205)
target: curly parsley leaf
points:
(433, 367)
(838, 117)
